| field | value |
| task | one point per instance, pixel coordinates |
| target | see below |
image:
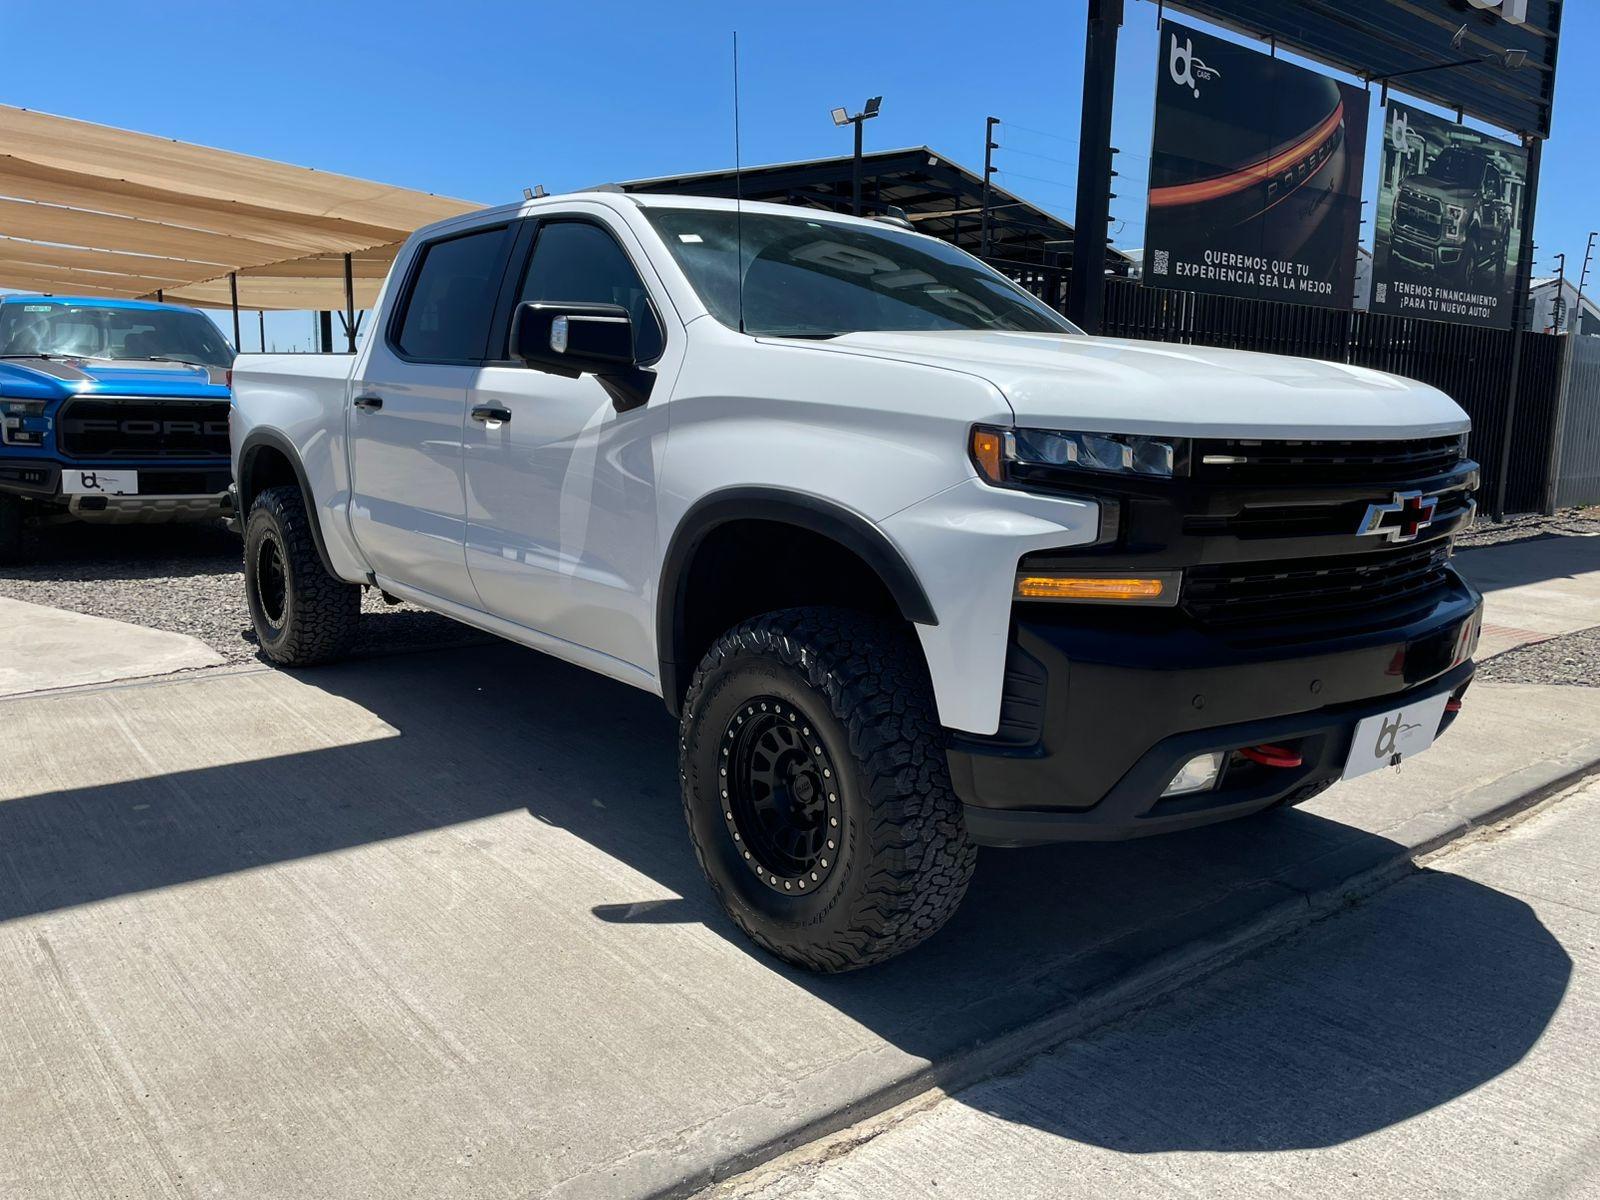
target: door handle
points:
(484, 413)
(368, 403)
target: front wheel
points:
(302, 614)
(816, 789)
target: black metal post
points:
(1561, 292)
(1519, 309)
(325, 332)
(233, 295)
(261, 315)
(989, 147)
(855, 172)
(1086, 297)
(349, 304)
(160, 299)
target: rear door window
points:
(448, 310)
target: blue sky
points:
(479, 99)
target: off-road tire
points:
(859, 689)
(10, 530)
(303, 615)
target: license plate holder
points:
(1386, 739)
(98, 483)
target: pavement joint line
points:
(164, 679)
(1188, 963)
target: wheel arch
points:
(268, 459)
(842, 527)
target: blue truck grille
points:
(98, 427)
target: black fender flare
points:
(262, 439)
(833, 521)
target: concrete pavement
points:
(1534, 589)
(1440, 1040)
(47, 648)
(430, 925)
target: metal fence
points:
(1473, 366)
(1576, 453)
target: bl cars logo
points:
(1187, 70)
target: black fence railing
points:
(1471, 365)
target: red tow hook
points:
(1452, 706)
(1272, 756)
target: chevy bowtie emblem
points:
(1401, 521)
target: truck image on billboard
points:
(1447, 232)
(1255, 175)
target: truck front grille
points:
(103, 427)
(1419, 214)
(1349, 591)
(1245, 461)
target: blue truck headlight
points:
(995, 451)
(22, 422)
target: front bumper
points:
(1102, 711)
(167, 492)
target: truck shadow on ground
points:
(1433, 1007)
(1532, 560)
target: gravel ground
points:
(1530, 525)
(1572, 658)
(188, 579)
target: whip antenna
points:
(738, 187)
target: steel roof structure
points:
(939, 196)
(91, 210)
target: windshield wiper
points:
(37, 354)
(188, 362)
(805, 337)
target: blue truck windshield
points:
(806, 278)
(65, 329)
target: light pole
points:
(842, 116)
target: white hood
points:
(1114, 385)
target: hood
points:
(58, 378)
(1426, 185)
(1112, 385)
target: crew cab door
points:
(560, 486)
(409, 407)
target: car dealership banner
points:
(1447, 228)
(1255, 175)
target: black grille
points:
(101, 428)
(1422, 214)
(1239, 460)
(1349, 590)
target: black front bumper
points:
(1102, 709)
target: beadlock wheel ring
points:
(779, 794)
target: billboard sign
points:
(1255, 175)
(1448, 225)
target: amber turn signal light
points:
(1140, 589)
(987, 451)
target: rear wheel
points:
(10, 529)
(302, 614)
(816, 788)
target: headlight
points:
(22, 422)
(1002, 455)
(1456, 214)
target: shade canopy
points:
(87, 209)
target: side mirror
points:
(570, 339)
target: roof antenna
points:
(738, 186)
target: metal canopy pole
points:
(855, 171)
(1086, 297)
(1519, 308)
(989, 147)
(325, 332)
(350, 288)
(233, 295)
(261, 315)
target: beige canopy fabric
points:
(89, 209)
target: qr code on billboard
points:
(1383, 293)
(1163, 261)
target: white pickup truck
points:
(916, 564)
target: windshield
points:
(87, 331)
(819, 278)
(1459, 168)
